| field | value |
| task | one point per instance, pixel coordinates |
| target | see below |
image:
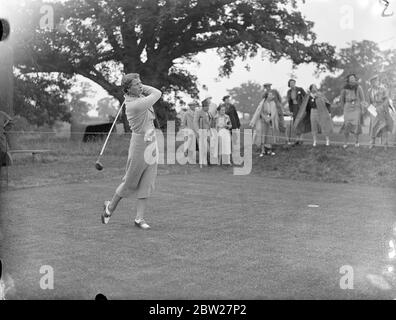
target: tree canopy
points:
(40, 99)
(101, 39)
(365, 59)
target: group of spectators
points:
(310, 111)
(217, 122)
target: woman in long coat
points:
(264, 120)
(315, 108)
(353, 103)
(382, 123)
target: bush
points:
(21, 124)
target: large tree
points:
(155, 37)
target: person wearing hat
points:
(353, 102)
(141, 169)
(316, 109)
(231, 111)
(223, 127)
(278, 102)
(265, 121)
(295, 97)
(381, 124)
(187, 125)
(204, 126)
(211, 104)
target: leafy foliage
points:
(41, 100)
(365, 59)
(101, 39)
(247, 97)
(107, 107)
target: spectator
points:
(204, 125)
(353, 102)
(212, 106)
(223, 126)
(231, 111)
(278, 102)
(187, 125)
(295, 97)
(316, 108)
(265, 119)
(382, 123)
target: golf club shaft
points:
(111, 130)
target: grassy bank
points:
(71, 161)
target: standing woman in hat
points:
(353, 102)
(382, 123)
(141, 169)
(264, 121)
(316, 108)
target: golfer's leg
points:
(141, 208)
(114, 202)
(385, 137)
(145, 189)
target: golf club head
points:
(98, 166)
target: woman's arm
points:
(141, 104)
(361, 94)
(342, 98)
(196, 121)
(228, 122)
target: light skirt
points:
(141, 168)
(224, 142)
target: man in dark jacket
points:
(231, 112)
(295, 97)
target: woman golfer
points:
(141, 169)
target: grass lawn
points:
(214, 236)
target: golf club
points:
(98, 164)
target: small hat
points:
(193, 103)
(267, 84)
(373, 78)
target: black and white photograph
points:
(197, 150)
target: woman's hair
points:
(350, 86)
(127, 81)
(290, 81)
(351, 75)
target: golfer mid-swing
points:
(141, 171)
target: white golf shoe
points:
(106, 215)
(142, 224)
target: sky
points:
(337, 22)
